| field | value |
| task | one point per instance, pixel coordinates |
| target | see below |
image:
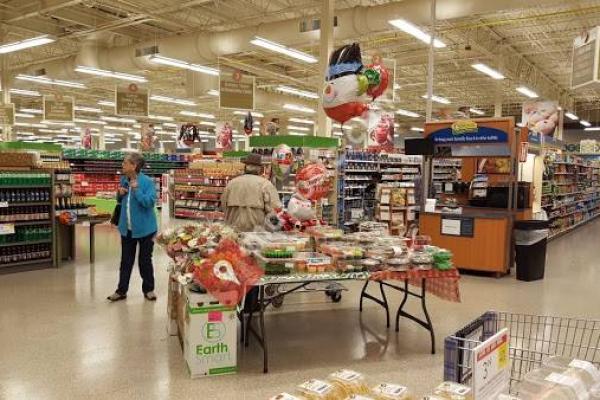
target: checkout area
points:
(474, 216)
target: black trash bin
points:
(531, 238)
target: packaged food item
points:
(419, 242)
(398, 264)
(372, 264)
(420, 258)
(583, 370)
(313, 262)
(388, 391)
(315, 389)
(350, 382)
(453, 391)
(286, 396)
(545, 383)
(380, 252)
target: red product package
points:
(228, 273)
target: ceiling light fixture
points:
(488, 71)
(161, 117)
(595, 128)
(26, 44)
(31, 110)
(415, 31)
(585, 123)
(24, 92)
(170, 125)
(88, 109)
(89, 121)
(207, 123)
(172, 100)
(279, 48)
(48, 81)
(63, 123)
(106, 103)
(571, 116)
(437, 99)
(295, 107)
(118, 119)
(416, 129)
(158, 59)
(297, 92)
(110, 74)
(477, 111)
(301, 121)
(254, 113)
(293, 133)
(197, 114)
(118, 128)
(527, 92)
(212, 92)
(24, 115)
(298, 128)
(407, 113)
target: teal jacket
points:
(143, 201)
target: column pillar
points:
(427, 169)
(323, 126)
(5, 82)
(498, 102)
(101, 139)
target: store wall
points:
(576, 135)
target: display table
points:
(66, 237)
(444, 284)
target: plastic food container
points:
(398, 263)
(387, 391)
(579, 369)
(372, 264)
(421, 257)
(545, 383)
(342, 250)
(419, 242)
(319, 390)
(380, 252)
(453, 391)
(350, 382)
(313, 262)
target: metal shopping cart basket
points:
(532, 339)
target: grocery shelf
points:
(27, 262)
(24, 243)
(40, 186)
(27, 223)
(569, 229)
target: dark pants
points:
(128, 248)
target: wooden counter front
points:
(487, 250)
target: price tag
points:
(7, 229)
(491, 367)
(3, 204)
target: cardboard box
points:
(210, 336)
(173, 296)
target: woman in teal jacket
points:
(137, 225)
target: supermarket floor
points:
(60, 339)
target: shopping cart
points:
(532, 339)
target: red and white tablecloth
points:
(442, 284)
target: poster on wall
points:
(148, 141)
(493, 165)
(131, 100)
(224, 136)
(58, 108)
(7, 114)
(541, 117)
(380, 130)
(236, 90)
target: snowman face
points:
(340, 91)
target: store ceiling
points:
(531, 45)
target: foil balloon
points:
(313, 182)
(378, 78)
(381, 130)
(343, 93)
(282, 160)
(224, 139)
(248, 124)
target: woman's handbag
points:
(116, 215)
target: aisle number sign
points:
(491, 374)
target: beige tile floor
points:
(60, 339)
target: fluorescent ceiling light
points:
(527, 92)
(415, 31)
(53, 130)
(212, 92)
(295, 107)
(437, 99)
(343, 127)
(197, 114)
(488, 71)
(476, 111)
(407, 113)
(297, 92)
(204, 140)
(26, 133)
(89, 121)
(170, 125)
(298, 128)
(595, 128)
(25, 44)
(571, 116)
(254, 113)
(172, 100)
(158, 59)
(117, 119)
(24, 115)
(279, 48)
(31, 110)
(110, 74)
(49, 81)
(207, 123)
(397, 86)
(296, 133)
(118, 128)
(23, 92)
(585, 123)
(161, 117)
(63, 123)
(88, 109)
(301, 121)
(416, 129)
(106, 103)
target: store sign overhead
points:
(586, 60)
(59, 108)
(131, 100)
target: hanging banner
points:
(236, 90)
(585, 56)
(7, 114)
(148, 141)
(59, 108)
(381, 130)
(541, 117)
(86, 138)
(131, 100)
(468, 132)
(224, 136)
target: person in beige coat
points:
(249, 198)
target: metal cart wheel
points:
(336, 296)
(277, 302)
(271, 290)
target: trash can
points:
(531, 237)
